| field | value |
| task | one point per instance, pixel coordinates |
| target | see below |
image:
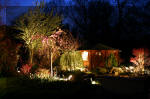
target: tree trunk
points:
(31, 57)
(51, 64)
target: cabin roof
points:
(102, 47)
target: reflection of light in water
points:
(85, 56)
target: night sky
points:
(17, 7)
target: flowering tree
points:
(55, 44)
(141, 59)
(41, 33)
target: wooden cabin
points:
(97, 58)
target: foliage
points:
(52, 46)
(8, 52)
(141, 58)
(71, 60)
(90, 18)
(34, 68)
(26, 69)
(41, 32)
(111, 61)
(36, 23)
(42, 73)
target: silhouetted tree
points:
(90, 19)
(8, 51)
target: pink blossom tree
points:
(59, 42)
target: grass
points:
(21, 88)
(3, 85)
(24, 88)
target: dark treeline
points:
(123, 25)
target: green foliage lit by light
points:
(35, 23)
(111, 61)
(71, 60)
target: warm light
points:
(69, 78)
(94, 82)
(131, 67)
(85, 56)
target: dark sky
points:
(17, 7)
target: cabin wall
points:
(97, 58)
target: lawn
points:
(14, 88)
(23, 89)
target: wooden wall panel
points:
(97, 58)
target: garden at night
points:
(74, 49)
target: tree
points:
(54, 45)
(36, 23)
(8, 51)
(111, 61)
(36, 26)
(90, 19)
(141, 58)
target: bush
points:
(71, 60)
(26, 69)
(111, 61)
(42, 73)
(34, 68)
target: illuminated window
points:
(85, 56)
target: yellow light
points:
(85, 56)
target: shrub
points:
(111, 61)
(42, 73)
(26, 69)
(71, 60)
(34, 68)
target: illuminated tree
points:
(56, 44)
(141, 59)
(34, 24)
